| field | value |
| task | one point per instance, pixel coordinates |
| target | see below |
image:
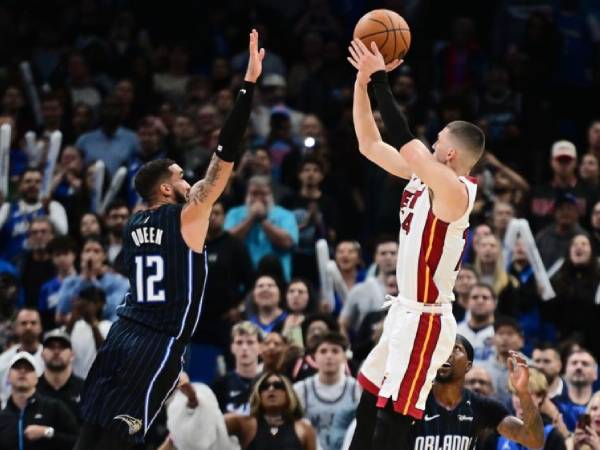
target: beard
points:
(444, 378)
(180, 198)
(55, 366)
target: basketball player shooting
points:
(419, 330)
(138, 366)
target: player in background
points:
(419, 330)
(139, 364)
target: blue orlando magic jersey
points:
(166, 277)
(459, 428)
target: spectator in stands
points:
(80, 82)
(479, 328)
(529, 309)
(232, 276)
(508, 185)
(329, 398)
(63, 251)
(588, 438)
(124, 91)
(474, 236)
(185, 148)
(546, 358)
(502, 213)
(87, 328)
(553, 240)
(81, 120)
(68, 186)
(115, 218)
(581, 371)
(90, 224)
(58, 380)
(275, 418)
(93, 271)
(28, 330)
(267, 299)
(465, 280)
(300, 301)
(508, 336)
(9, 297)
(272, 352)
(369, 295)
(489, 265)
(16, 216)
(316, 215)
(589, 173)
(170, 84)
(31, 419)
(479, 381)
(35, 263)
(563, 162)
(348, 258)
(313, 327)
(233, 389)
(593, 138)
(595, 228)
(111, 143)
(265, 227)
(577, 287)
(52, 113)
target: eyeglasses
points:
(277, 385)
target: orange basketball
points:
(387, 29)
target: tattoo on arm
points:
(203, 188)
(530, 430)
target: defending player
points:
(455, 416)
(139, 364)
(419, 330)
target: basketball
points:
(387, 29)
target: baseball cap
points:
(19, 356)
(57, 334)
(564, 150)
(507, 321)
(565, 198)
(274, 80)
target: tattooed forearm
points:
(209, 186)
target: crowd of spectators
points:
(128, 82)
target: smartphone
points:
(584, 421)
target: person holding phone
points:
(587, 431)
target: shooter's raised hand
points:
(255, 58)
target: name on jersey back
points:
(147, 235)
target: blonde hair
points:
(595, 397)
(293, 410)
(246, 328)
(501, 277)
(538, 384)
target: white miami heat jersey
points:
(430, 249)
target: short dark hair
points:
(312, 159)
(97, 239)
(384, 238)
(150, 175)
(333, 338)
(92, 294)
(543, 346)
(471, 136)
(507, 321)
(117, 204)
(482, 285)
(62, 244)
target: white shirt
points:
(57, 214)
(363, 298)
(84, 345)
(482, 340)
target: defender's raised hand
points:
(519, 372)
(255, 58)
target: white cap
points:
(562, 149)
(29, 358)
(274, 80)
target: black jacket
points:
(43, 411)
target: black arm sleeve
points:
(395, 122)
(235, 125)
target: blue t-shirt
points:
(49, 295)
(569, 410)
(256, 240)
(115, 287)
(115, 151)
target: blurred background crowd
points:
(127, 82)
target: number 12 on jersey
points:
(149, 271)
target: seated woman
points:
(275, 421)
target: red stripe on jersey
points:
(413, 364)
(421, 265)
(368, 385)
(427, 354)
(434, 257)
